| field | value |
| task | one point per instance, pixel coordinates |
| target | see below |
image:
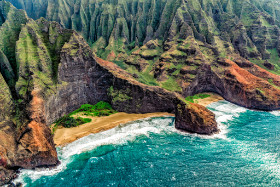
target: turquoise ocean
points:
(151, 152)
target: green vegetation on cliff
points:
(29, 58)
(9, 32)
(119, 95)
(100, 109)
(147, 37)
(6, 106)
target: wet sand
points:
(63, 136)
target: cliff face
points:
(87, 79)
(251, 27)
(250, 86)
(7, 130)
(50, 72)
(26, 141)
(167, 43)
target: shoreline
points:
(64, 136)
(208, 100)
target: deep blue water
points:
(152, 153)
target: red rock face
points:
(38, 141)
(242, 83)
(7, 151)
(195, 118)
(31, 147)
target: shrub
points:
(192, 99)
(102, 106)
(68, 121)
(94, 110)
(81, 121)
(100, 109)
(85, 107)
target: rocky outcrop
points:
(192, 116)
(88, 79)
(254, 88)
(28, 147)
(56, 72)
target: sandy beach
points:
(63, 136)
(207, 101)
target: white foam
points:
(119, 135)
(224, 107)
(225, 112)
(224, 118)
(250, 152)
(123, 134)
(276, 113)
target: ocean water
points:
(151, 152)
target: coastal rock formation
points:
(168, 43)
(54, 71)
(250, 86)
(88, 79)
(139, 98)
(26, 146)
(162, 50)
(196, 116)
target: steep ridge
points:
(9, 32)
(251, 27)
(167, 43)
(55, 71)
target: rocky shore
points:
(63, 136)
(43, 95)
(48, 71)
